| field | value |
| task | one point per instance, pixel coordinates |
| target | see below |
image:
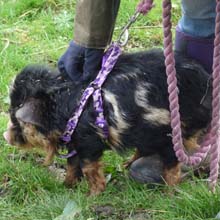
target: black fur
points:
(59, 96)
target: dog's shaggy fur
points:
(135, 105)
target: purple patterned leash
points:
(108, 62)
(94, 88)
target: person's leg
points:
(195, 31)
(99, 34)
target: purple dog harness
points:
(94, 88)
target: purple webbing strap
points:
(65, 156)
(94, 89)
(108, 63)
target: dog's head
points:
(28, 125)
(30, 107)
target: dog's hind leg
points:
(172, 174)
(74, 172)
(191, 143)
(94, 175)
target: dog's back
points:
(137, 92)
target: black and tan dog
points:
(136, 108)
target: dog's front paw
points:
(70, 182)
(95, 177)
(97, 189)
(47, 162)
(73, 175)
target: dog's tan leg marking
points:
(50, 152)
(72, 173)
(172, 175)
(71, 178)
(128, 163)
(95, 177)
(191, 144)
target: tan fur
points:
(172, 175)
(50, 153)
(153, 115)
(119, 118)
(36, 139)
(71, 178)
(128, 76)
(191, 144)
(12, 138)
(94, 174)
(72, 172)
(157, 116)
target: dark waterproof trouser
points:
(94, 22)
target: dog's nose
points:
(7, 137)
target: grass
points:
(38, 31)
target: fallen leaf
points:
(69, 212)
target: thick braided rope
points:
(173, 96)
(214, 151)
(212, 137)
(145, 6)
(172, 83)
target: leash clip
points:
(124, 35)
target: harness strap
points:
(108, 63)
(94, 89)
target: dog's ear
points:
(33, 111)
